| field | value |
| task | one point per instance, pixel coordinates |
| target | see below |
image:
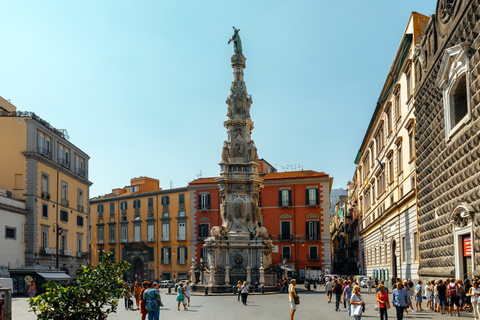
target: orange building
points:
(295, 209)
(146, 226)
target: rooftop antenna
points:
(171, 184)
(199, 175)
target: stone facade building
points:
(447, 99)
(386, 182)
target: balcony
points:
(151, 239)
(111, 241)
(45, 195)
(47, 250)
(82, 255)
(65, 203)
(311, 203)
(312, 236)
(164, 261)
(284, 203)
(79, 208)
(44, 152)
(63, 162)
(99, 241)
(123, 240)
(181, 205)
(80, 171)
(26, 114)
(313, 257)
(201, 239)
(165, 239)
(204, 208)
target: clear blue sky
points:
(141, 85)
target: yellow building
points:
(42, 167)
(146, 226)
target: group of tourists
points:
(448, 296)
(147, 298)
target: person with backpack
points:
(453, 293)
(152, 302)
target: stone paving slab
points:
(313, 305)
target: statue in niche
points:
(239, 149)
(252, 152)
(237, 42)
(225, 152)
(255, 208)
(237, 131)
(229, 102)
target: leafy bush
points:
(94, 295)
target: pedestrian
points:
(418, 296)
(338, 294)
(245, 291)
(462, 293)
(383, 302)
(473, 293)
(329, 289)
(293, 298)
(410, 296)
(345, 283)
(347, 295)
(188, 292)
(32, 289)
(315, 285)
(239, 290)
(400, 300)
(453, 293)
(468, 300)
(369, 285)
(181, 296)
(428, 295)
(442, 296)
(143, 310)
(152, 302)
(137, 289)
(357, 302)
(127, 296)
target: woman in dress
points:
(181, 296)
(357, 303)
(136, 293)
(473, 294)
(245, 291)
(188, 292)
(382, 299)
(410, 295)
(428, 295)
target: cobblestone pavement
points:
(267, 306)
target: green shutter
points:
(289, 197)
(279, 198)
(208, 201)
(186, 255)
(307, 233)
(151, 254)
(318, 196)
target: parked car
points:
(166, 284)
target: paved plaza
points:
(267, 306)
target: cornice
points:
(203, 186)
(139, 195)
(12, 209)
(56, 166)
(296, 181)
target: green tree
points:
(94, 296)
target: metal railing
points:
(44, 151)
(63, 162)
(80, 208)
(45, 195)
(80, 171)
(65, 202)
(313, 257)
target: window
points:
(404, 249)
(45, 238)
(123, 219)
(182, 231)
(124, 234)
(412, 181)
(285, 198)
(79, 165)
(181, 200)
(100, 235)
(203, 231)
(100, 210)
(386, 254)
(133, 188)
(398, 107)
(150, 216)
(368, 201)
(165, 202)
(408, 76)
(313, 253)
(379, 140)
(165, 214)
(285, 228)
(455, 84)
(79, 246)
(123, 207)
(165, 231)
(312, 196)
(63, 243)
(400, 159)
(80, 200)
(204, 201)
(182, 255)
(166, 255)
(137, 234)
(136, 205)
(48, 147)
(64, 194)
(44, 210)
(411, 145)
(415, 246)
(112, 208)
(150, 204)
(111, 234)
(10, 233)
(380, 255)
(286, 253)
(182, 213)
(63, 215)
(389, 118)
(390, 169)
(373, 192)
(41, 142)
(312, 229)
(381, 183)
(79, 221)
(44, 186)
(150, 232)
(136, 217)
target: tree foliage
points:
(94, 296)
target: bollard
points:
(169, 289)
(263, 289)
(206, 290)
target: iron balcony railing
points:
(44, 151)
(65, 203)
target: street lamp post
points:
(58, 230)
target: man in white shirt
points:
(329, 289)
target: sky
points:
(141, 86)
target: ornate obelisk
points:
(239, 249)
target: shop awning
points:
(54, 276)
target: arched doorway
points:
(393, 247)
(138, 269)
